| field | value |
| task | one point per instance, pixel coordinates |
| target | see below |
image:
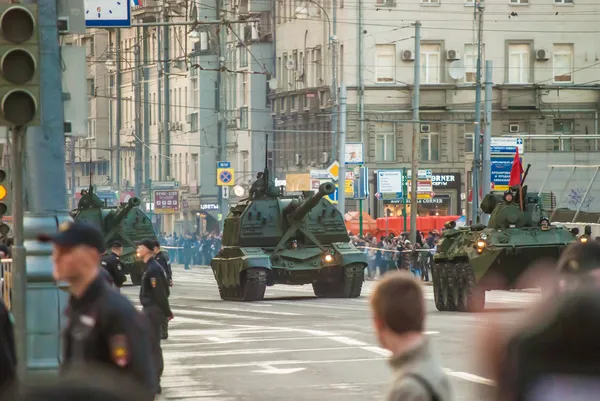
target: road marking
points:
(178, 312)
(470, 377)
(378, 350)
(347, 341)
(217, 340)
(259, 351)
(269, 369)
(253, 364)
(243, 310)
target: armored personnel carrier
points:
(125, 223)
(517, 235)
(270, 239)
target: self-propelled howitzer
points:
(270, 239)
(125, 223)
(471, 260)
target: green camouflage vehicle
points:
(125, 223)
(470, 260)
(270, 239)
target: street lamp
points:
(110, 65)
(194, 36)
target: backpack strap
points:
(425, 384)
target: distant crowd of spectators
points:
(390, 253)
(191, 249)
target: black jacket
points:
(163, 261)
(154, 290)
(112, 264)
(8, 355)
(105, 329)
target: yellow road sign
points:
(225, 177)
(349, 188)
(334, 170)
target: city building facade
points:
(545, 89)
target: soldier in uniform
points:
(104, 329)
(112, 264)
(8, 355)
(163, 261)
(154, 297)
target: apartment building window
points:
(244, 118)
(562, 63)
(519, 1)
(430, 63)
(471, 62)
(564, 128)
(563, 1)
(385, 68)
(389, 3)
(91, 87)
(469, 2)
(519, 57)
(194, 167)
(469, 143)
(245, 164)
(243, 57)
(430, 1)
(194, 121)
(385, 144)
(430, 146)
(246, 89)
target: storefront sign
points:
(437, 200)
(209, 206)
(166, 202)
(448, 180)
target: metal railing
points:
(6, 281)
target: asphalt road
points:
(295, 347)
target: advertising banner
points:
(166, 202)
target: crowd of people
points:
(191, 249)
(391, 252)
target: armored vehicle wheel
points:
(253, 285)
(436, 275)
(454, 278)
(472, 299)
(349, 287)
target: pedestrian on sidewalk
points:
(104, 329)
(154, 297)
(399, 309)
(8, 357)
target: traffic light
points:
(19, 65)
(4, 201)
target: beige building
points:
(545, 73)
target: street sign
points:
(378, 195)
(107, 13)
(225, 177)
(423, 174)
(333, 198)
(506, 145)
(225, 192)
(319, 174)
(354, 153)
(361, 184)
(334, 170)
(501, 167)
(349, 175)
(223, 165)
(389, 183)
(349, 188)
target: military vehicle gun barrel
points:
(325, 189)
(124, 210)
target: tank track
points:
(454, 287)
(349, 287)
(252, 288)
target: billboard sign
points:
(354, 153)
(166, 202)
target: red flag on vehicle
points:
(516, 171)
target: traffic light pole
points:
(42, 303)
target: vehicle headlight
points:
(583, 239)
(328, 258)
(483, 236)
(480, 244)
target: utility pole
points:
(342, 151)
(138, 115)
(146, 105)
(478, 13)
(334, 83)
(487, 136)
(416, 152)
(222, 106)
(38, 323)
(159, 110)
(73, 187)
(118, 105)
(167, 100)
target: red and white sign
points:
(166, 202)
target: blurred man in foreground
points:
(104, 329)
(399, 317)
(8, 357)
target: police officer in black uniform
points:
(154, 297)
(8, 354)
(104, 329)
(112, 264)
(163, 261)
